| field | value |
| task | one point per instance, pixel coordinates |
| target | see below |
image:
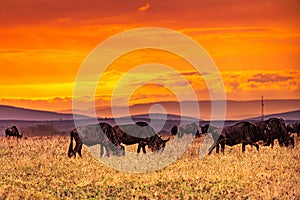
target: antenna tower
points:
(262, 108)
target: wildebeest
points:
(191, 128)
(12, 131)
(242, 132)
(277, 131)
(142, 134)
(94, 134)
(174, 130)
(157, 143)
(207, 128)
(293, 128)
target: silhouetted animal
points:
(142, 134)
(174, 130)
(197, 134)
(293, 128)
(94, 134)
(277, 131)
(242, 132)
(12, 131)
(191, 128)
(207, 128)
(157, 144)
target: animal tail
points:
(215, 144)
(71, 151)
(292, 141)
(6, 132)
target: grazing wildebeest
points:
(174, 130)
(94, 134)
(142, 134)
(293, 128)
(12, 131)
(297, 128)
(242, 132)
(277, 131)
(197, 134)
(156, 144)
(191, 128)
(207, 128)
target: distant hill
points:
(160, 116)
(287, 116)
(236, 110)
(14, 113)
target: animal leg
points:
(244, 147)
(254, 144)
(121, 152)
(144, 148)
(180, 133)
(292, 141)
(108, 151)
(223, 146)
(71, 152)
(141, 146)
(101, 150)
(77, 149)
(218, 148)
(216, 145)
(139, 149)
(212, 148)
(272, 143)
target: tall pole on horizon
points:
(262, 108)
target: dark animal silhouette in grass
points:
(174, 130)
(278, 131)
(207, 128)
(94, 134)
(187, 129)
(13, 131)
(242, 132)
(293, 128)
(140, 133)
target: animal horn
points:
(166, 140)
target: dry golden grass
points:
(38, 168)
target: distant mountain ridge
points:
(159, 116)
(289, 109)
(288, 116)
(15, 113)
(235, 109)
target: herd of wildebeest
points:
(141, 133)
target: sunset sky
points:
(255, 44)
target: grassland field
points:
(38, 168)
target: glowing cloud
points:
(144, 8)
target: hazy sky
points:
(255, 44)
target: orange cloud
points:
(240, 85)
(144, 8)
(63, 19)
(266, 83)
